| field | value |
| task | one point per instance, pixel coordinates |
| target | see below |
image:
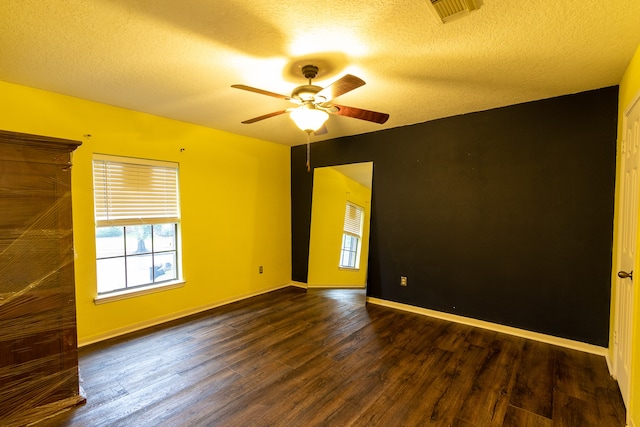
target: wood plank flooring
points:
(324, 358)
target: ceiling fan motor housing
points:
(309, 71)
(306, 92)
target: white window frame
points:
(352, 229)
(133, 192)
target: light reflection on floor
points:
(355, 296)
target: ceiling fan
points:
(314, 102)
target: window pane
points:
(109, 242)
(344, 260)
(138, 239)
(137, 211)
(348, 260)
(348, 241)
(139, 270)
(349, 251)
(165, 267)
(111, 274)
(164, 237)
(352, 259)
(352, 243)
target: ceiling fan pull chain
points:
(308, 152)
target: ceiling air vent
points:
(447, 10)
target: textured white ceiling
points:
(178, 59)
(361, 173)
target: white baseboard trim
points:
(318, 286)
(562, 342)
(522, 333)
(609, 363)
(174, 316)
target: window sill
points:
(132, 293)
(349, 268)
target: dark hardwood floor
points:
(292, 358)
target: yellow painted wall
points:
(235, 201)
(629, 89)
(331, 191)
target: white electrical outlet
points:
(403, 280)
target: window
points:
(137, 216)
(351, 237)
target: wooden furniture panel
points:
(38, 338)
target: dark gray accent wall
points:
(503, 215)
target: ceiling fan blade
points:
(266, 116)
(341, 86)
(321, 131)
(359, 113)
(261, 91)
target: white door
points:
(626, 249)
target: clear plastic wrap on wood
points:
(38, 339)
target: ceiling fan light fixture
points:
(309, 119)
(314, 102)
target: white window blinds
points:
(134, 190)
(353, 220)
